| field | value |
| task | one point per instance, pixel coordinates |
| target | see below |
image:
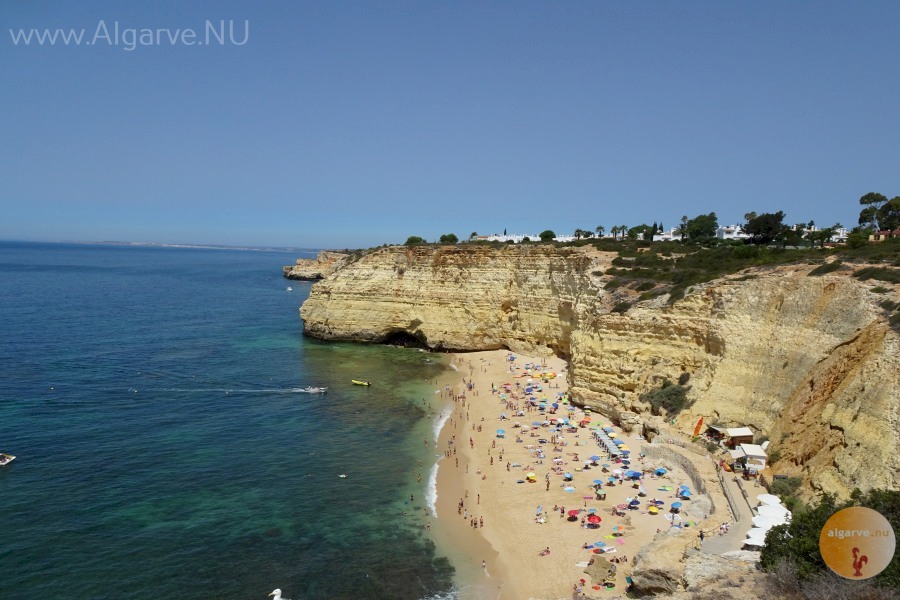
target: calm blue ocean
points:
(163, 452)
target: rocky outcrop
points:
(809, 362)
(324, 264)
(659, 566)
(456, 298)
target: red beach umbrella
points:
(594, 519)
(574, 512)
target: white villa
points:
(517, 239)
(731, 232)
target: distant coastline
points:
(286, 249)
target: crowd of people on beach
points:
(558, 443)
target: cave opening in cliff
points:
(401, 337)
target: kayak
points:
(358, 382)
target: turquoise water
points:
(163, 452)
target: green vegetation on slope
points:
(792, 558)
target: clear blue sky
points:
(358, 123)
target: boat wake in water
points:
(303, 390)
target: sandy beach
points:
(488, 510)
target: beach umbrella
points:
(574, 512)
(539, 510)
(592, 510)
(685, 493)
(568, 489)
(501, 432)
(611, 479)
(605, 466)
(610, 434)
(536, 423)
(635, 502)
(528, 390)
(618, 442)
(555, 405)
(546, 422)
(598, 482)
(773, 511)
(608, 429)
(660, 471)
(676, 505)
(768, 499)
(757, 533)
(653, 510)
(595, 457)
(594, 519)
(767, 523)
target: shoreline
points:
(483, 476)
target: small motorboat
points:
(5, 459)
(359, 382)
(290, 289)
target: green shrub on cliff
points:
(796, 545)
(414, 240)
(826, 268)
(669, 396)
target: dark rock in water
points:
(273, 532)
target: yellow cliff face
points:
(807, 361)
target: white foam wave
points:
(431, 489)
(440, 421)
(309, 390)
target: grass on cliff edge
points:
(792, 558)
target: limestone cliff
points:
(808, 361)
(308, 269)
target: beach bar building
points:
(716, 432)
(738, 436)
(750, 457)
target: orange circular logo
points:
(857, 542)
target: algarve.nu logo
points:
(857, 542)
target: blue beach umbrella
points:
(598, 482)
(661, 471)
(608, 429)
(685, 493)
(592, 510)
(611, 479)
(555, 405)
(536, 423)
(676, 505)
(595, 457)
(501, 432)
(618, 442)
